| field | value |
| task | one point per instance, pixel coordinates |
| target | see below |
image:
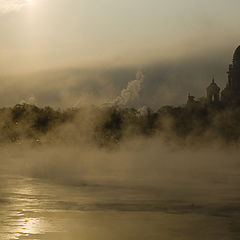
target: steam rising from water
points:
(140, 176)
(139, 162)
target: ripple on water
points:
(32, 208)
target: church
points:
(231, 93)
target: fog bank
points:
(166, 82)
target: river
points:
(34, 209)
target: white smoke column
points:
(29, 100)
(132, 91)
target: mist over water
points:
(118, 170)
(100, 135)
(143, 182)
(137, 162)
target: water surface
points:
(32, 208)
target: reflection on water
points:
(36, 209)
(26, 226)
(21, 207)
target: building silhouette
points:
(213, 92)
(191, 99)
(231, 93)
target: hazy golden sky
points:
(43, 34)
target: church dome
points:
(213, 87)
(236, 55)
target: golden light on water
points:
(27, 217)
(30, 226)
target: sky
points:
(43, 35)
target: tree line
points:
(111, 125)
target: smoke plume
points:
(131, 93)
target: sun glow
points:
(14, 5)
(30, 1)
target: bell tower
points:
(213, 92)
